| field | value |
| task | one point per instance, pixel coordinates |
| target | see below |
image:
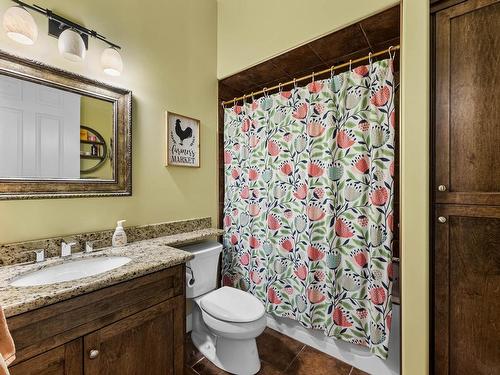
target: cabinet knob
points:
(442, 187)
(93, 353)
(442, 219)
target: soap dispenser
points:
(119, 237)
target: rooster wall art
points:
(182, 134)
(183, 143)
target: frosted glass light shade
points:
(71, 45)
(111, 62)
(20, 26)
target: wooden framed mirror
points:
(53, 124)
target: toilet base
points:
(230, 346)
(238, 357)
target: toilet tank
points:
(204, 267)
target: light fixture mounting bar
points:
(57, 24)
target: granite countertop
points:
(147, 256)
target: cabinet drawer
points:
(40, 330)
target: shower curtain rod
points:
(312, 75)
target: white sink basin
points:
(71, 270)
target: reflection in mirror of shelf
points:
(98, 149)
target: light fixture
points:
(71, 45)
(111, 61)
(20, 26)
(73, 38)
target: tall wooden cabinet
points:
(466, 186)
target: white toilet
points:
(225, 321)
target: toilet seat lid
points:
(232, 305)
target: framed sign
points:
(182, 140)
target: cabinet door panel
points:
(63, 360)
(468, 103)
(148, 342)
(467, 290)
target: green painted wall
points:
(414, 164)
(169, 55)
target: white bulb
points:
(71, 45)
(20, 26)
(111, 62)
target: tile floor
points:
(280, 355)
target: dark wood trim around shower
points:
(371, 34)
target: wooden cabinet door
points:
(149, 342)
(467, 290)
(63, 360)
(467, 103)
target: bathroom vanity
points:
(135, 327)
(129, 320)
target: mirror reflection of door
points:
(39, 130)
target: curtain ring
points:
(243, 105)
(264, 90)
(234, 102)
(312, 75)
(391, 56)
(223, 104)
(253, 98)
(350, 65)
(295, 83)
(279, 88)
(332, 72)
(370, 59)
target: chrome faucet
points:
(66, 248)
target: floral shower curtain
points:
(309, 203)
